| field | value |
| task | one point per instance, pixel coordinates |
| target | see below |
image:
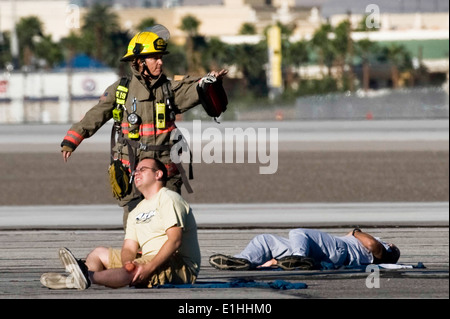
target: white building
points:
(51, 97)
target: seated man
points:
(306, 248)
(162, 226)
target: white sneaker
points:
(58, 281)
(76, 268)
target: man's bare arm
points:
(173, 243)
(129, 251)
(368, 241)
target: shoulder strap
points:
(167, 89)
(169, 97)
(122, 91)
(121, 97)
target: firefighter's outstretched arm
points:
(219, 74)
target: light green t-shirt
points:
(148, 222)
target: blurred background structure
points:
(339, 59)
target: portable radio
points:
(160, 115)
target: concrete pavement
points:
(30, 237)
(26, 254)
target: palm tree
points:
(294, 56)
(98, 26)
(364, 49)
(28, 30)
(5, 49)
(190, 25)
(49, 51)
(324, 47)
(249, 59)
(35, 46)
(247, 29)
(343, 46)
(216, 54)
(400, 60)
(146, 23)
(72, 44)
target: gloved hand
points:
(207, 80)
(212, 77)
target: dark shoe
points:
(76, 268)
(223, 262)
(296, 262)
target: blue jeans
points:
(320, 246)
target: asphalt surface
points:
(390, 177)
(26, 254)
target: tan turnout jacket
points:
(185, 97)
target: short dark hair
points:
(388, 256)
(161, 167)
(392, 255)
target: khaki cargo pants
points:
(174, 271)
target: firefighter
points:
(146, 119)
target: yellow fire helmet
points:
(145, 43)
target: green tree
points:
(175, 62)
(29, 30)
(146, 23)
(100, 31)
(324, 47)
(48, 51)
(365, 49)
(5, 49)
(250, 59)
(247, 29)
(400, 61)
(34, 46)
(190, 25)
(363, 27)
(216, 54)
(294, 56)
(72, 44)
(343, 48)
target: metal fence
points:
(417, 103)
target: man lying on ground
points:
(306, 249)
(162, 228)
